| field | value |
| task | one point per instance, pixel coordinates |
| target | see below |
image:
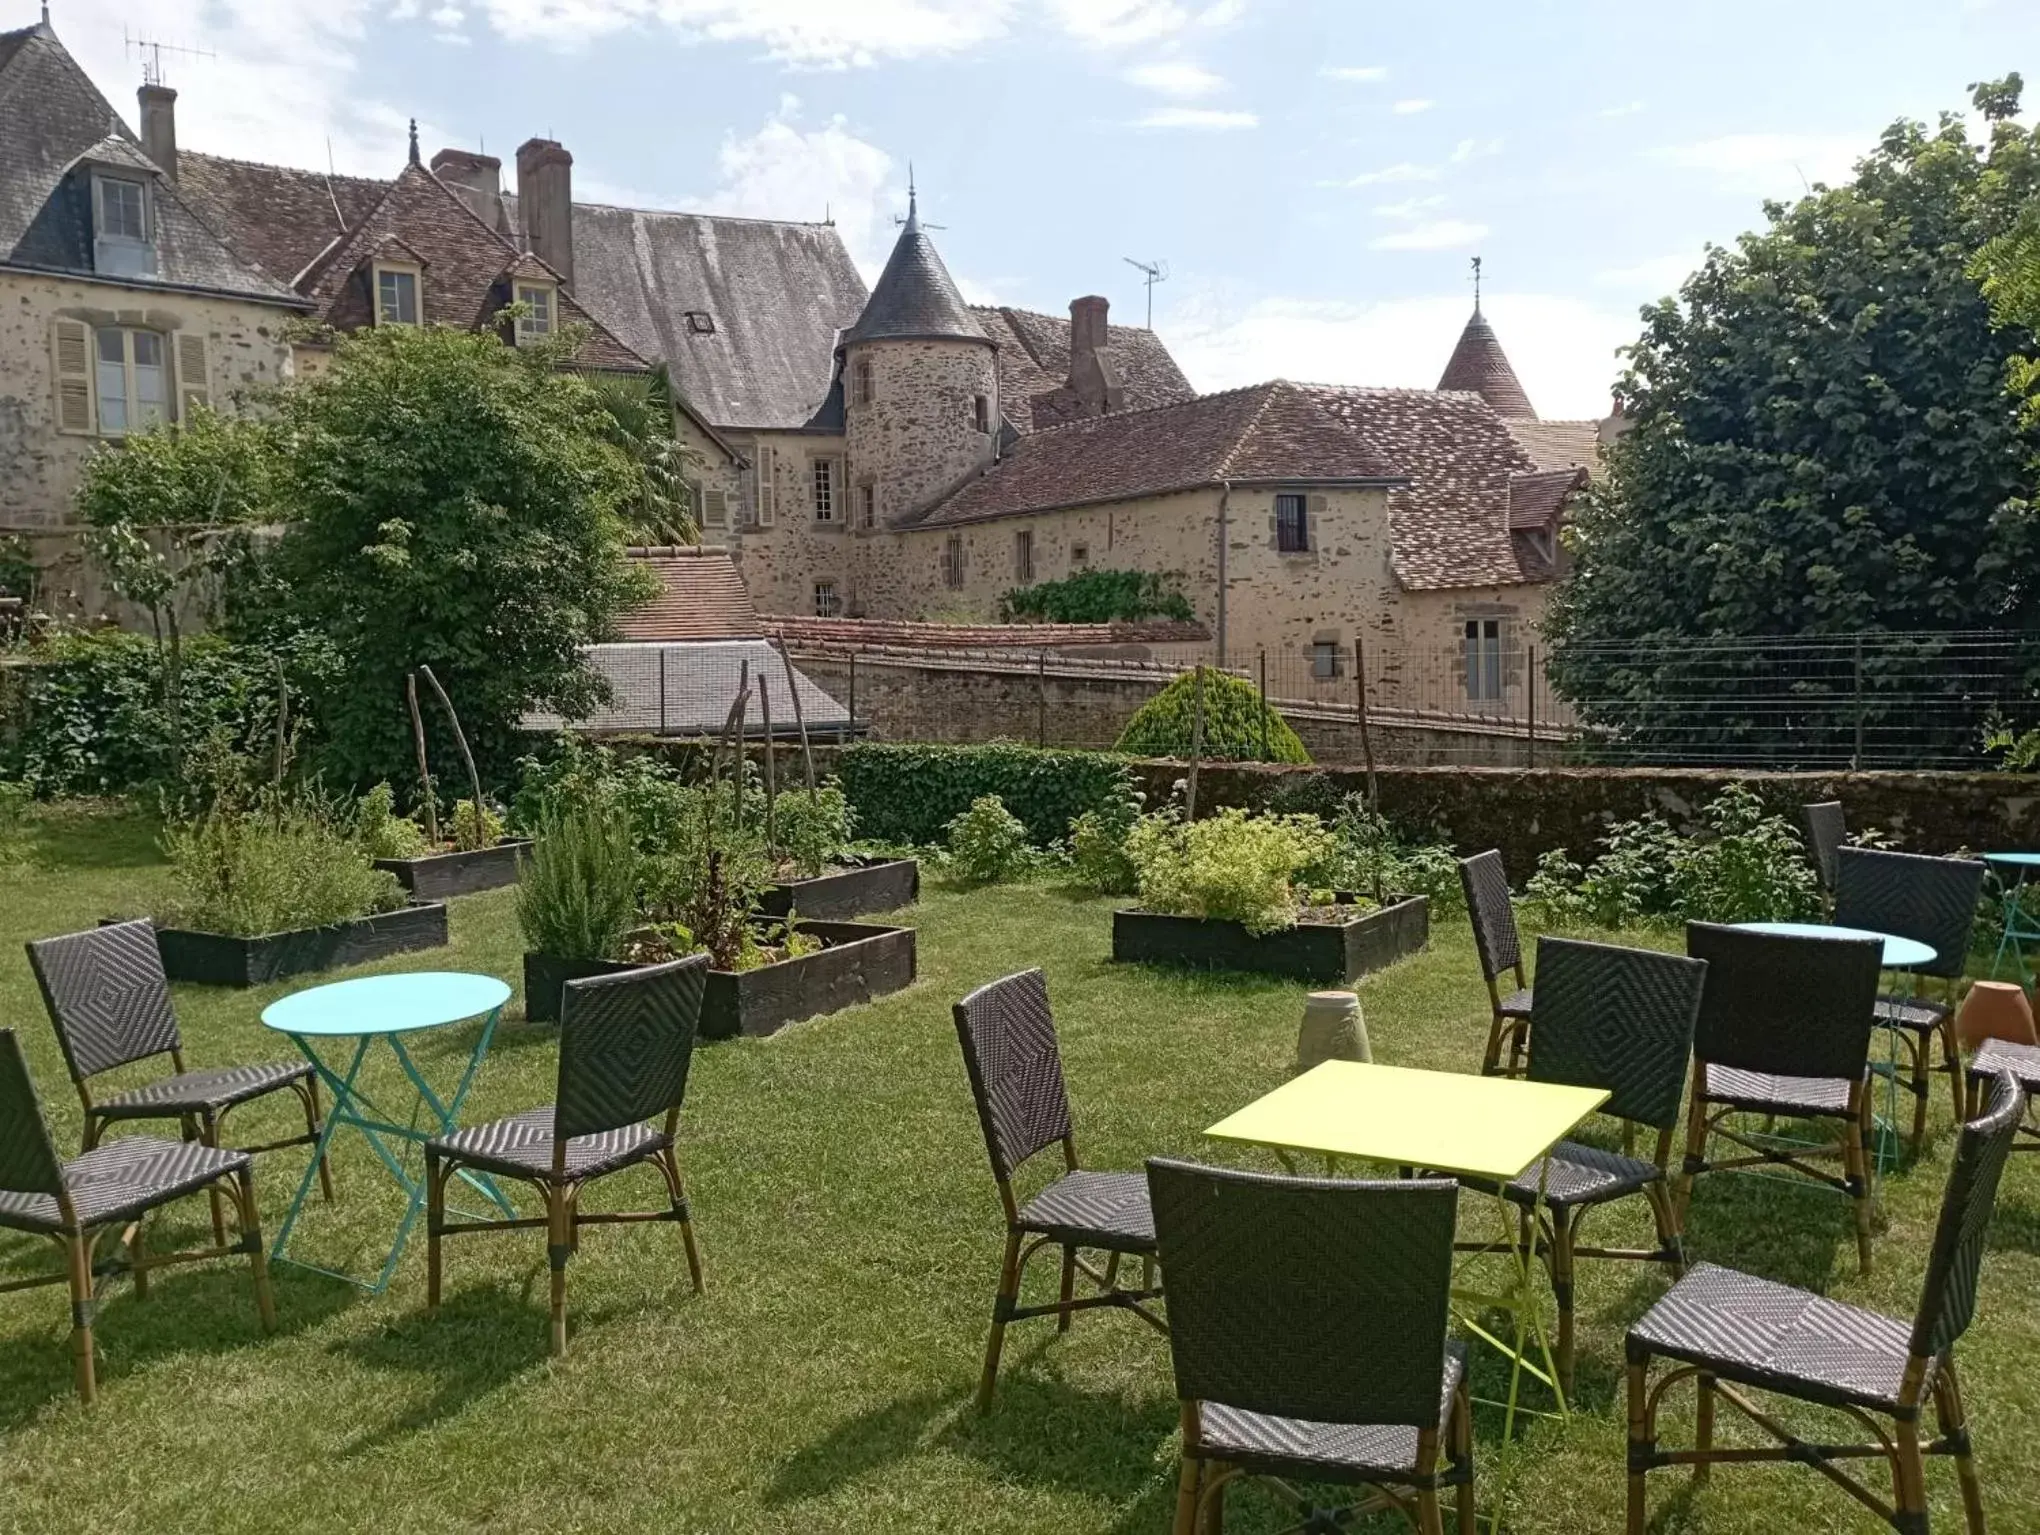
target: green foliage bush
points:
(1098, 597)
(909, 794)
(1371, 857)
(1228, 867)
(573, 773)
(987, 843)
(578, 894)
(814, 828)
(1098, 856)
(1236, 723)
(474, 827)
(288, 861)
(381, 831)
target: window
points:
(1023, 556)
(122, 212)
(1292, 524)
(129, 380)
(1080, 556)
(862, 390)
(715, 507)
(758, 505)
(867, 505)
(538, 297)
(1324, 659)
(701, 322)
(952, 561)
(824, 470)
(1484, 659)
(827, 603)
(981, 412)
(396, 295)
(121, 244)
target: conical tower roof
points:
(1480, 365)
(916, 299)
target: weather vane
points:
(1476, 283)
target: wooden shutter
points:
(766, 470)
(1314, 521)
(715, 508)
(71, 349)
(194, 384)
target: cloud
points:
(1210, 119)
(1475, 149)
(1562, 348)
(1409, 207)
(1432, 235)
(1117, 23)
(1772, 164)
(1388, 175)
(1365, 74)
(1625, 109)
(1175, 78)
(809, 33)
(1657, 276)
(1413, 104)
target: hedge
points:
(1236, 723)
(908, 794)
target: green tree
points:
(1821, 441)
(1238, 725)
(456, 503)
(638, 422)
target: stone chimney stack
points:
(159, 127)
(1095, 377)
(477, 180)
(545, 202)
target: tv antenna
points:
(1152, 273)
(151, 52)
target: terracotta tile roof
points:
(701, 597)
(1478, 363)
(1560, 444)
(1267, 431)
(1536, 499)
(1034, 366)
(279, 219)
(915, 296)
(903, 634)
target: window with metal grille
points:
(952, 561)
(825, 489)
(1292, 524)
(1484, 659)
(827, 603)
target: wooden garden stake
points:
(424, 773)
(807, 752)
(460, 738)
(1196, 743)
(282, 720)
(771, 773)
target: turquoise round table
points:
(2018, 928)
(1899, 953)
(382, 1009)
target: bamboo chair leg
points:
(559, 1247)
(1856, 1156)
(1696, 1152)
(209, 1134)
(1069, 1289)
(138, 1258)
(1703, 1423)
(435, 1222)
(1211, 1500)
(313, 1122)
(250, 1222)
(1948, 1413)
(1429, 1521)
(1922, 1089)
(1958, 1076)
(1491, 1058)
(78, 1251)
(1671, 1240)
(1563, 1234)
(1909, 1477)
(1462, 1454)
(1188, 1483)
(1009, 1292)
(669, 1165)
(1641, 1442)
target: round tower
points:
(920, 386)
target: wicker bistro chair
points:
(1784, 1030)
(110, 1188)
(1016, 1077)
(1501, 954)
(1729, 1330)
(1826, 831)
(110, 1002)
(1620, 1019)
(1308, 1326)
(2003, 1057)
(1932, 901)
(625, 1045)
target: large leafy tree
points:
(1822, 441)
(457, 503)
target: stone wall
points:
(782, 560)
(39, 467)
(917, 436)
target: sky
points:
(1316, 174)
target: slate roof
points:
(1560, 444)
(701, 597)
(277, 218)
(916, 298)
(699, 681)
(1034, 366)
(53, 125)
(904, 634)
(1478, 363)
(1263, 432)
(1536, 499)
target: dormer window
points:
(540, 299)
(122, 243)
(701, 322)
(396, 295)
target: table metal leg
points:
(343, 1092)
(2016, 933)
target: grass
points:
(852, 1238)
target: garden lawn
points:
(852, 1238)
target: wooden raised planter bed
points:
(436, 876)
(863, 960)
(217, 959)
(1323, 952)
(867, 885)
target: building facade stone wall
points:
(918, 436)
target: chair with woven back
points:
(1500, 947)
(1620, 1019)
(110, 1188)
(626, 1042)
(1730, 1332)
(1932, 901)
(1784, 1030)
(109, 1000)
(1308, 1327)
(1826, 831)
(1016, 1079)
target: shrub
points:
(1371, 857)
(475, 827)
(1098, 855)
(909, 794)
(1230, 867)
(814, 827)
(381, 831)
(1098, 597)
(578, 895)
(987, 843)
(1236, 723)
(288, 862)
(574, 774)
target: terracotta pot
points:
(1995, 1010)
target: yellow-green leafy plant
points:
(1231, 867)
(475, 827)
(987, 843)
(381, 831)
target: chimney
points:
(545, 202)
(1094, 375)
(477, 180)
(159, 127)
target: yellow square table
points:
(1484, 1127)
